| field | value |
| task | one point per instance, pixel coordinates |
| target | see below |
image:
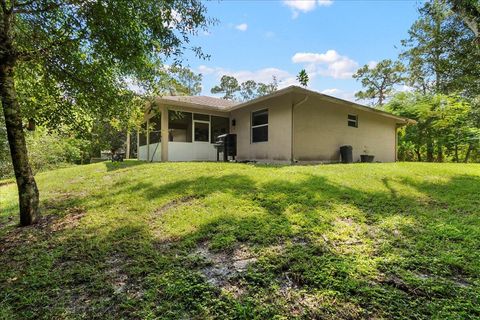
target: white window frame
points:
(351, 120)
(258, 126)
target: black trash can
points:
(346, 152)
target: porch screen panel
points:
(219, 126)
(142, 134)
(155, 126)
(201, 131)
(179, 126)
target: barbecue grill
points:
(227, 145)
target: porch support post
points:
(127, 149)
(164, 130)
(148, 139)
(138, 143)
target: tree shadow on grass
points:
(112, 166)
(323, 250)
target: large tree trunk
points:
(429, 149)
(419, 155)
(439, 153)
(469, 151)
(456, 153)
(27, 188)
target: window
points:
(219, 126)
(179, 126)
(353, 120)
(260, 126)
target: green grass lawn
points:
(237, 241)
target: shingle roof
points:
(203, 101)
(216, 104)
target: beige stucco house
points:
(289, 125)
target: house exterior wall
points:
(320, 129)
(278, 146)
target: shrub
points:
(46, 151)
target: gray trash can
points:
(346, 152)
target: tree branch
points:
(3, 3)
(47, 8)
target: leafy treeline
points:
(247, 90)
(439, 72)
(69, 64)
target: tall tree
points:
(187, 82)
(175, 80)
(379, 81)
(248, 90)
(267, 88)
(303, 78)
(244, 91)
(440, 54)
(85, 50)
(228, 86)
(469, 12)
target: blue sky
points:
(330, 39)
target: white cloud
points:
(331, 92)
(269, 34)
(404, 88)
(264, 75)
(372, 64)
(325, 3)
(298, 6)
(205, 70)
(301, 5)
(242, 27)
(338, 93)
(329, 64)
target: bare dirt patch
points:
(301, 302)
(44, 227)
(457, 280)
(120, 281)
(222, 266)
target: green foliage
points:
(175, 80)
(146, 241)
(46, 151)
(441, 54)
(442, 69)
(228, 86)
(245, 91)
(445, 125)
(76, 61)
(469, 11)
(379, 81)
(303, 78)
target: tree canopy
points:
(441, 78)
(82, 57)
(247, 90)
(379, 81)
